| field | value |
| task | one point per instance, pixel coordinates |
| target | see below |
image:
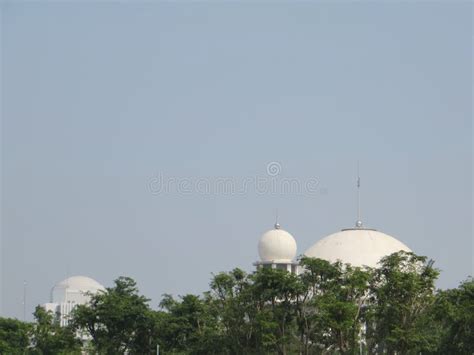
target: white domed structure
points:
(277, 245)
(277, 249)
(357, 246)
(75, 285)
(69, 293)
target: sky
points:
(157, 140)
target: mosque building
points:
(358, 246)
(69, 293)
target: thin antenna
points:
(277, 225)
(359, 221)
(24, 300)
(67, 283)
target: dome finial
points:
(359, 221)
(277, 225)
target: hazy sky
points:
(103, 102)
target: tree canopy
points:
(329, 308)
(118, 320)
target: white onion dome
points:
(356, 246)
(277, 245)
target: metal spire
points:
(277, 225)
(359, 221)
(24, 300)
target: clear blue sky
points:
(100, 98)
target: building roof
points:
(356, 246)
(277, 245)
(80, 283)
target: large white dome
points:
(277, 245)
(80, 283)
(69, 293)
(357, 247)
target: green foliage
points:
(402, 292)
(237, 307)
(189, 326)
(453, 311)
(276, 292)
(329, 308)
(49, 338)
(13, 336)
(330, 315)
(118, 320)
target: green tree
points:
(189, 326)
(402, 293)
(236, 307)
(118, 320)
(318, 278)
(14, 337)
(49, 338)
(454, 313)
(330, 309)
(277, 292)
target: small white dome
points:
(277, 245)
(357, 247)
(80, 283)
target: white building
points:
(69, 293)
(358, 246)
(277, 250)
